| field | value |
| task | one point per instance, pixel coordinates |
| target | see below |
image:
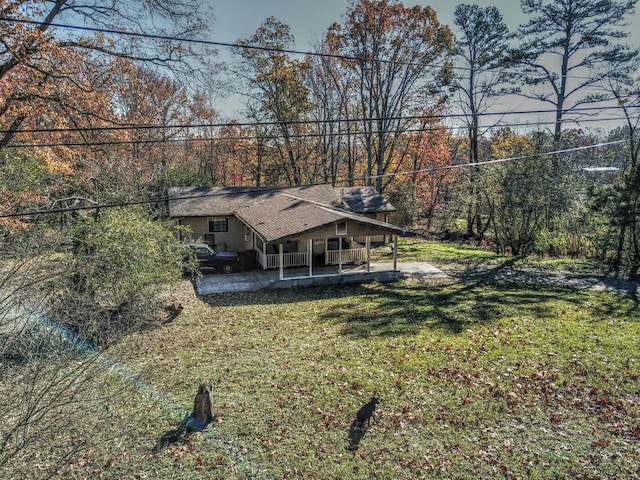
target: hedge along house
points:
(288, 227)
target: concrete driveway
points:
(260, 279)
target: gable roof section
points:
(224, 201)
(286, 216)
(364, 200)
(282, 213)
(212, 201)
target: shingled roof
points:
(365, 200)
(284, 216)
(212, 201)
(224, 201)
(281, 213)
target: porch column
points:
(310, 256)
(326, 251)
(368, 244)
(281, 260)
(264, 255)
(339, 254)
(395, 253)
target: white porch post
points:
(368, 244)
(339, 254)
(264, 255)
(281, 260)
(310, 256)
(395, 253)
(326, 251)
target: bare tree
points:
(393, 52)
(48, 378)
(334, 107)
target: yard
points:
(478, 379)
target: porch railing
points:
(355, 254)
(295, 259)
(351, 255)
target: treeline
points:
(390, 97)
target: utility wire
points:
(296, 136)
(244, 190)
(444, 116)
(273, 49)
(499, 160)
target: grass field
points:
(477, 381)
(455, 256)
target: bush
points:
(119, 264)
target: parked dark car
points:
(217, 261)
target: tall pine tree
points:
(482, 48)
(569, 46)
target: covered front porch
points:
(292, 232)
(317, 253)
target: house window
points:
(218, 225)
(341, 228)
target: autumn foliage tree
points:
(157, 109)
(47, 56)
(58, 85)
(234, 151)
(275, 81)
(394, 55)
(517, 191)
(423, 189)
(57, 90)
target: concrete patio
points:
(269, 279)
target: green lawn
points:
(461, 256)
(476, 380)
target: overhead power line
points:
(444, 116)
(292, 136)
(339, 181)
(337, 56)
(500, 160)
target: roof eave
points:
(393, 230)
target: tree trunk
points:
(200, 417)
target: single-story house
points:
(287, 227)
